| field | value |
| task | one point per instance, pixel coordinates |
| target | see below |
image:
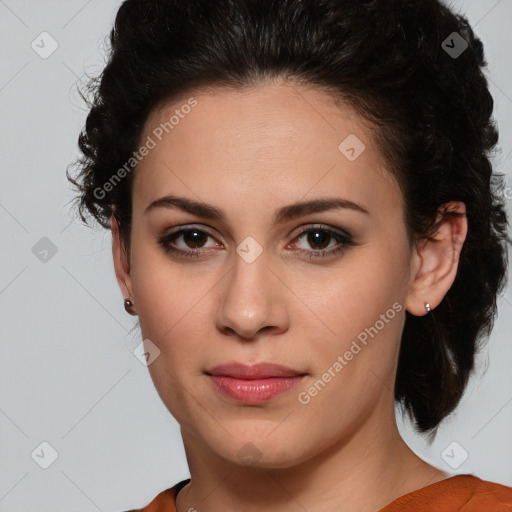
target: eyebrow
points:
(282, 214)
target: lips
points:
(255, 384)
(256, 371)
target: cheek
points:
(355, 369)
(353, 295)
(362, 307)
(173, 304)
(164, 290)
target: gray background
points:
(68, 376)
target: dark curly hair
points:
(389, 60)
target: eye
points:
(321, 236)
(317, 237)
(192, 237)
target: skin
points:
(249, 153)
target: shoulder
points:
(462, 492)
(165, 501)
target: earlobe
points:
(121, 263)
(437, 260)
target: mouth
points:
(254, 384)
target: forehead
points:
(278, 141)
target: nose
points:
(253, 299)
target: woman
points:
(305, 222)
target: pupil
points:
(194, 241)
(316, 237)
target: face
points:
(243, 286)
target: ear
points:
(436, 261)
(121, 261)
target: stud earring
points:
(427, 306)
(128, 306)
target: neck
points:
(364, 473)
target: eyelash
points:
(346, 240)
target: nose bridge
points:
(250, 298)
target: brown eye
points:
(319, 238)
(193, 238)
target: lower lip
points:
(255, 391)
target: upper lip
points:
(255, 371)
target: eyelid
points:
(325, 227)
(188, 227)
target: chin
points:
(262, 450)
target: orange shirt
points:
(461, 493)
